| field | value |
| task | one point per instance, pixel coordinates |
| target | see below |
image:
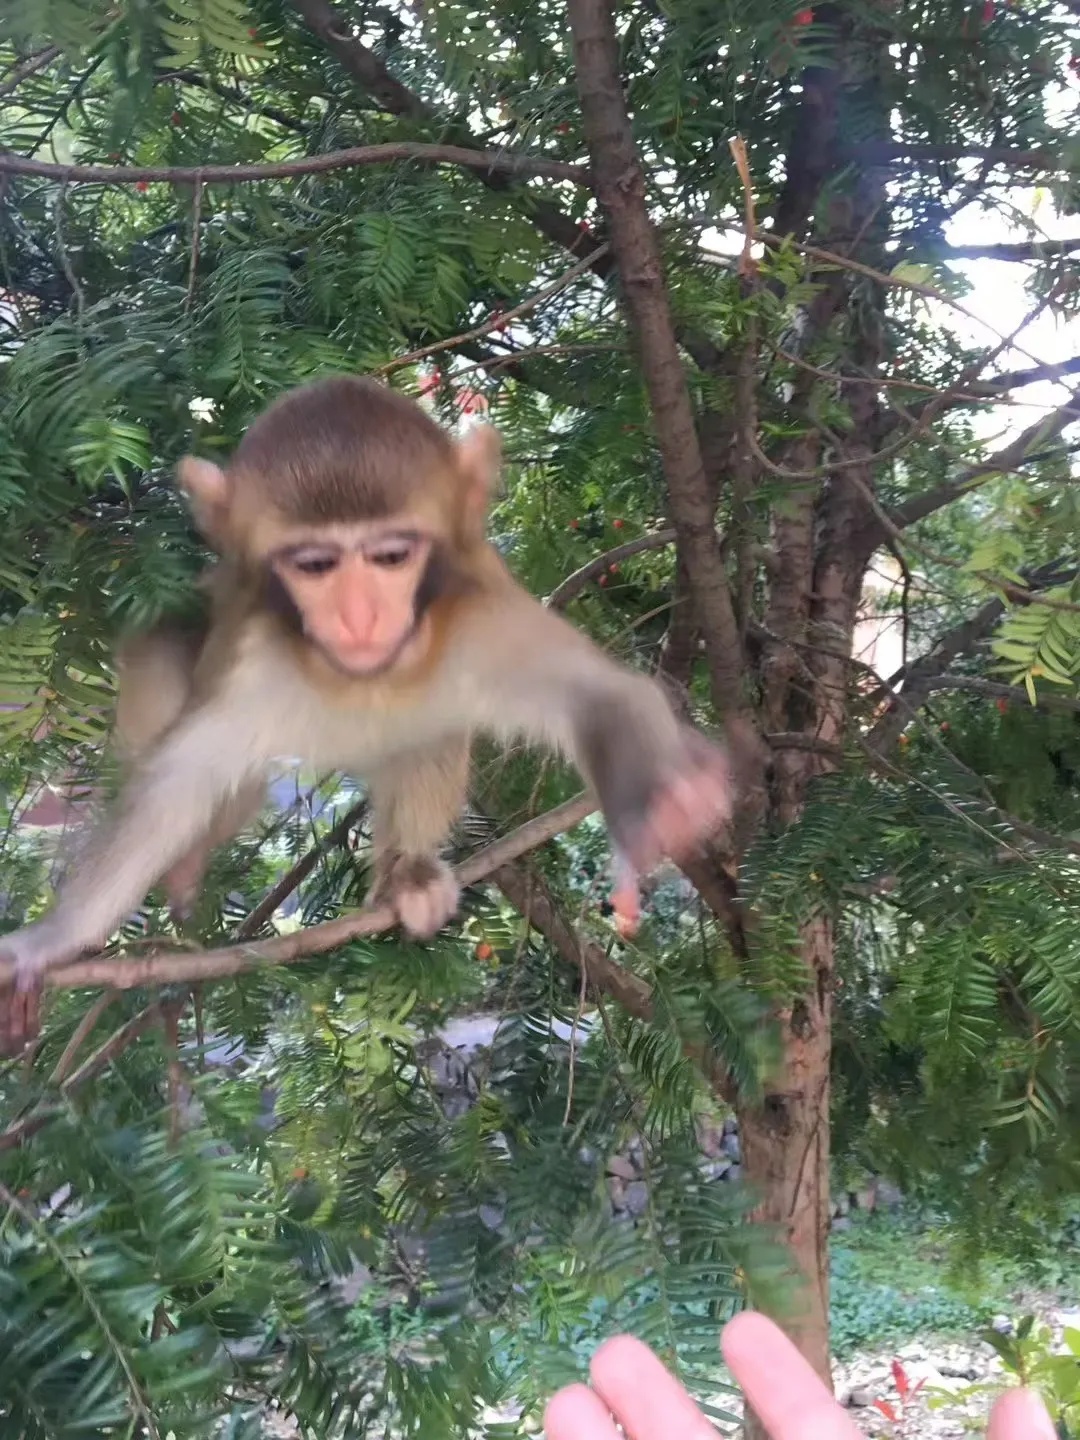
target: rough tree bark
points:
(811, 589)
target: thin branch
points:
(1040, 249)
(498, 162)
(496, 322)
(295, 876)
(882, 152)
(1009, 458)
(236, 96)
(570, 588)
(30, 66)
(534, 900)
(162, 967)
(1045, 700)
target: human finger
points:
(646, 1400)
(787, 1395)
(1020, 1415)
(575, 1413)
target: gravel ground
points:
(944, 1409)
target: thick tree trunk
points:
(785, 1148)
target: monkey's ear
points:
(205, 486)
(480, 459)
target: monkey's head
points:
(359, 511)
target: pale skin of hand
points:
(631, 1388)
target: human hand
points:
(631, 1387)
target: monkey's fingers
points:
(20, 1018)
(626, 898)
(689, 808)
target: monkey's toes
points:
(423, 911)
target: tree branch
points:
(30, 66)
(620, 184)
(1009, 250)
(884, 152)
(492, 162)
(531, 896)
(570, 588)
(166, 968)
(295, 876)
(1045, 700)
(574, 236)
(1010, 457)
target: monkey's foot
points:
(421, 889)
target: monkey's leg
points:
(182, 882)
(415, 803)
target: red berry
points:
(905, 740)
(574, 524)
(114, 158)
(300, 1173)
(253, 33)
(603, 579)
(142, 185)
(563, 129)
(617, 524)
(987, 11)
(177, 118)
(803, 17)
(944, 726)
(583, 226)
(1002, 704)
(484, 951)
(613, 569)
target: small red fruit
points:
(583, 226)
(613, 569)
(177, 118)
(484, 951)
(563, 129)
(142, 185)
(987, 11)
(803, 17)
(944, 726)
(574, 524)
(114, 158)
(1002, 704)
(617, 524)
(603, 579)
(905, 740)
(253, 33)
(300, 1173)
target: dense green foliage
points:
(169, 1254)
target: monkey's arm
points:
(416, 800)
(662, 786)
(155, 672)
(163, 811)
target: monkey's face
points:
(359, 590)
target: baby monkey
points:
(361, 621)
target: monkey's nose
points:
(357, 620)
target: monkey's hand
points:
(421, 890)
(667, 811)
(25, 956)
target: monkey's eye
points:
(315, 562)
(391, 556)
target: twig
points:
(165, 967)
(82, 1030)
(575, 582)
(196, 215)
(501, 162)
(298, 873)
(496, 322)
(30, 66)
